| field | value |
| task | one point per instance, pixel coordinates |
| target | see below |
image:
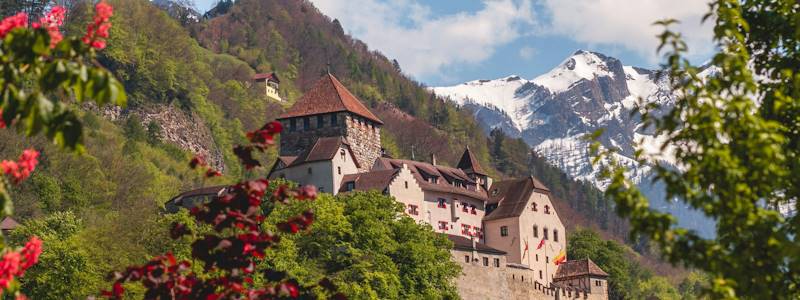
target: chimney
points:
(433, 159)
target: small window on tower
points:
(309, 170)
(343, 154)
(406, 184)
(333, 120)
(292, 125)
(485, 261)
(546, 235)
(533, 206)
(320, 121)
(555, 235)
(535, 231)
(504, 231)
(306, 123)
(540, 274)
(339, 170)
(547, 209)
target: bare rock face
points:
(185, 130)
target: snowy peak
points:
(579, 66)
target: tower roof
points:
(577, 268)
(469, 163)
(328, 95)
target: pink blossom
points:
(16, 21)
(97, 31)
(52, 21)
(22, 168)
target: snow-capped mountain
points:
(556, 110)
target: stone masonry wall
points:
(479, 282)
(294, 142)
(365, 141)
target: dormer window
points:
(442, 203)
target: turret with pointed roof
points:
(328, 109)
(470, 165)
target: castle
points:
(508, 237)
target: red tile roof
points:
(328, 95)
(512, 196)
(470, 164)
(373, 180)
(267, 76)
(8, 224)
(578, 268)
(325, 148)
(465, 244)
(445, 174)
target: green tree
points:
(65, 270)
(736, 136)
(365, 244)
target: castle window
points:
(546, 236)
(537, 259)
(339, 170)
(464, 207)
(333, 120)
(343, 154)
(309, 170)
(478, 232)
(494, 192)
(485, 261)
(465, 229)
(555, 235)
(412, 210)
(443, 225)
(320, 121)
(540, 274)
(306, 123)
(442, 203)
(292, 125)
(406, 184)
(466, 258)
(473, 210)
(547, 259)
(598, 283)
(350, 185)
(503, 230)
(547, 209)
(536, 231)
(497, 262)
(533, 206)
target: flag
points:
(541, 243)
(562, 256)
(526, 249)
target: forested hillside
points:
(199, 73)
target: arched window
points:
(536, 231)
(533, 207)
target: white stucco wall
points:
(405, 189)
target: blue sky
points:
(446, 42)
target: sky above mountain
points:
(448, 42)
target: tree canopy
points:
(735, 132)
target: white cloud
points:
(629, 23)
(527, 53)
(423, 43)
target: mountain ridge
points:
(587, 91)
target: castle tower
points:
(328, 109)
(470, 165)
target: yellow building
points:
(271, 84)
